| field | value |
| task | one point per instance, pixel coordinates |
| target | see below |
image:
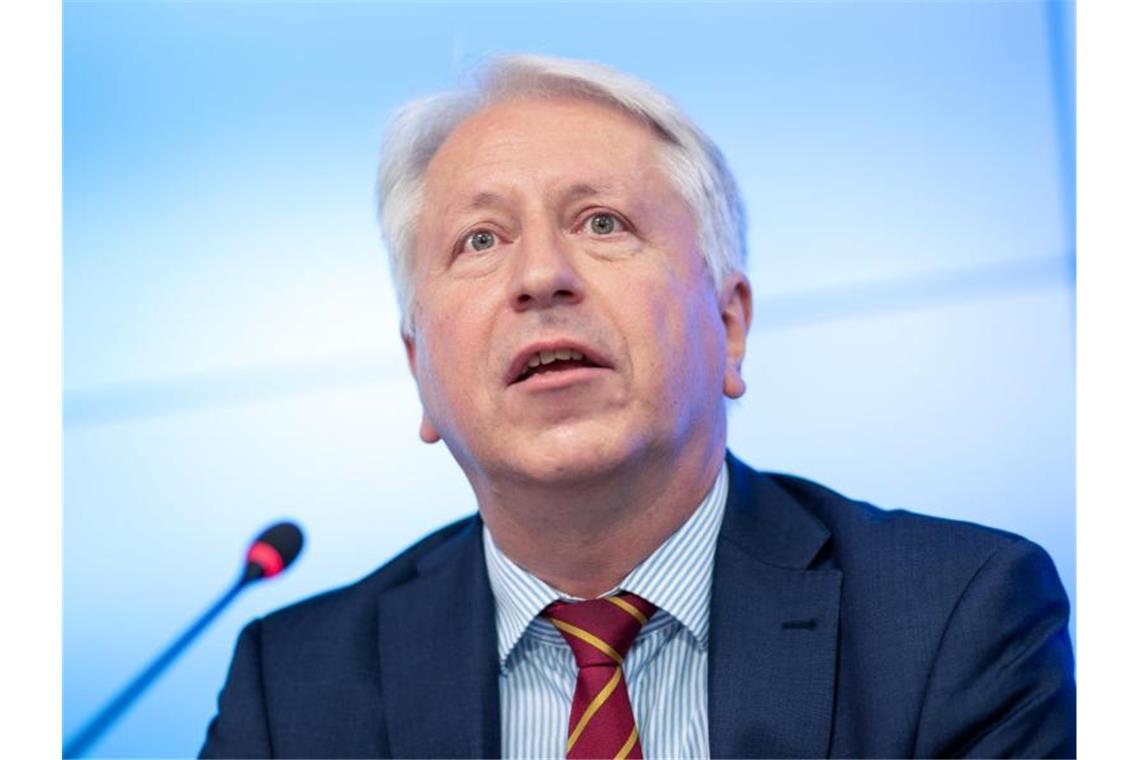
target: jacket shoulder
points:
(359, 597)
(864, 533)
(882, 553)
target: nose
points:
(543, 273)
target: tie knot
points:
(600, 631)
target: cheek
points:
(682, 342)
(451, 319)
(702, 342)
(452, 345)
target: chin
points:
(568, 455)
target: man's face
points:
(551, 236)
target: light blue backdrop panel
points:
(231, 351)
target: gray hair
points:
(694, 164)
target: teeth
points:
(549, 357)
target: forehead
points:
(543, 141)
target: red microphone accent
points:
(266, 557)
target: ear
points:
(428, 433)
(736, 313)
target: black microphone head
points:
(273, 551)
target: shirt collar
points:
(676, 577)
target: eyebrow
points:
(585, 190)
(484, 200)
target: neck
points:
(584, 540)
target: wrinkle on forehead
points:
(487, 199)
(493, 137)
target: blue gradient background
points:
(231, 347)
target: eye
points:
(604, 224)
(480, 240)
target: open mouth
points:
(559, 360)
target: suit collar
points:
(766, 522)
(773, 628)
(437, 647)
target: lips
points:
(552, 356)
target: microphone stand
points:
(82, 740)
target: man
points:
(568, 252)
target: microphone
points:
(272, 551)
(269, 554)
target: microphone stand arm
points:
(82, 740)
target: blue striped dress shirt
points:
(666, 668)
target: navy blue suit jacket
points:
(837, 629)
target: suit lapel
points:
(773, 626)
(437, 643)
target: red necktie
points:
(600, 632)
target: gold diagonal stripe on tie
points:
(594, 706)
(624, 751)
(628, 608)
(589, 638)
